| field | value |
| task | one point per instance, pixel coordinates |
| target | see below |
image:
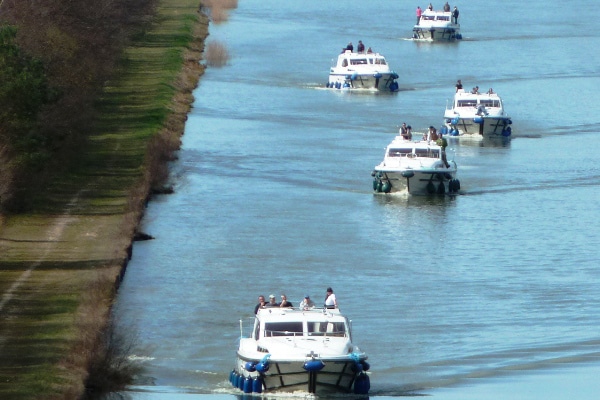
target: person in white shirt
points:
(330, 300)
(307, 303)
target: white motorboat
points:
(419, 168)
(362, 71)
(437, 26)
(477, 115)
(300, 350)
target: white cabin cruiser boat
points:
(437, 26)
(477, 115)
(417, 168)
(305, 350)
(362, 71)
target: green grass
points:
(70, 250)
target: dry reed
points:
(215, 54)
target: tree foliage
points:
(24, 90)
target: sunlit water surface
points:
(273, 194)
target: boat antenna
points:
(241, 329)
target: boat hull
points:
(479, 127)
(437, 34)
(416, 182)
(331, 376)
(381, 81)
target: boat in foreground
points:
(477, 115)
(362, 71)
(437, 26)
(418, 168)
(305, 350)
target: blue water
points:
(273, 194)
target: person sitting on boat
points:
(430, 7)
(455, 15)
(350, 47)
(330, 299)
(272, 302)
(261, 303)
(459, 85)
(307, 303)
(443, 143)
(491, 91)
(285, 302)
(360, 47)
(475, 90)
(446, 7)
(369, 51)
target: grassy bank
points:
(60, 266)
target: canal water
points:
(490, 291)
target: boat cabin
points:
(291, 322)
(349, 59)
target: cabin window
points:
(428, 17)
(380, 61)
(283, 329)
(358, 61)
(345, 63)
(443, 18)
(327, 329)
(421, 152)
(398, 152)
(466, 103)
(490, 103)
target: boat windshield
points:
(358, 61)
(399, 152)
(467, 103)
(326, 329)
(380, 61)
(431, 153)
(283, 329)
(490, 103)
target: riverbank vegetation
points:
(113, 81)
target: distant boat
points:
(308, 350)
(415, 168)
(362, 71)
(437, 26)
(477, 115)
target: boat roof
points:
(351, 55)
(278, 314)
(399, 141)
(436, 12)
(462, 94)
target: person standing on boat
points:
(285, 302)
(419, 13)
(459, 85)
(360, 47)
(446, 7)
(330, 299)
(432, 135)
(307, 303)
(455, 15)
(261, 303)
(430, 7)
(443, 143)
(403, 128)
(350, 47)
(408, 133)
